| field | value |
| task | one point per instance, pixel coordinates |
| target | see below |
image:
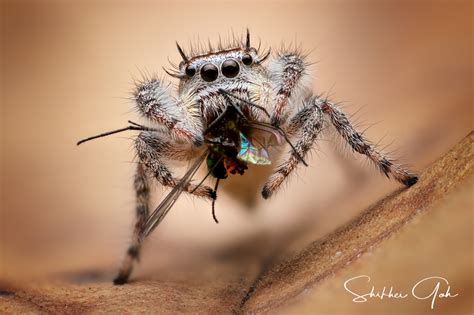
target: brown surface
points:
(329, 255)
(404, 259)
(66, 212)
(66, 69)
(226, 284)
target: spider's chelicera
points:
(231, 106)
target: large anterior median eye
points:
(230, 68)
(209, 72)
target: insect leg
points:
(360, 144)
(214, 202)
(142, 192)
(305, 126)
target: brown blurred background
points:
(67, 69)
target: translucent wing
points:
(274, 130)
(251, 153)
(255, 141)
(264, 135)
(164, 207)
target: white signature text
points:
(430, 288)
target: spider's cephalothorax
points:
(231, 104)
(237, 70)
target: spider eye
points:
(230, 68)
(247, 59)
(190, 71)
(209, 72)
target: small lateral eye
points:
(190, 71)
(247, 59)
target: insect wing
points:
(264, 136)
(164, 207)
(255, 141)
(279, 136)
(251, 153)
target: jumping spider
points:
(232, 104)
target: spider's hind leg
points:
(152, 148)
(142, 193)
(306, 125)
(361, 145)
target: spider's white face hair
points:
(236, 69)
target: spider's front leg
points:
(178, 117)
(304, 126)
(152, 148)
(288, 73)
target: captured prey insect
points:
(233, 103)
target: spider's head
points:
(219, 68)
